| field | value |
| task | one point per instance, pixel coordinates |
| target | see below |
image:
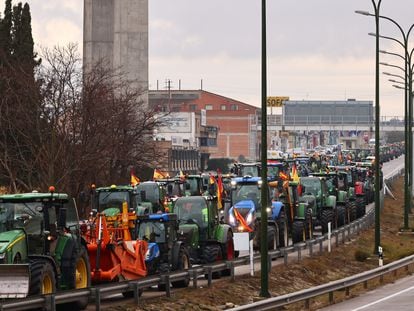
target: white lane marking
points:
(383, 299)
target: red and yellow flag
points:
(283, 176)
(134, 180)
(294, 173)
(220, 190)
(241, 220)
(158, 174)
(181, 175)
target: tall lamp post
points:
(377, 5)
(408, 113)
(264, 288)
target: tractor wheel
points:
(271, 238)
(212, 253)
(308, 225)
(298, 231)
(327, 216)
(352, 210)
(77, 275)
(360, 203)
(341, 217)
(183, 263)
(283, 230)
(228, 251)
(163, 269)
(42, 278)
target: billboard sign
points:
(276, 101)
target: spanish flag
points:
(283, 176)
(134, 180)
(158, 174)
(181, 175)
(294, 173)
(220, 190)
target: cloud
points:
(56, 31)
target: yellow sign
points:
(276, 101)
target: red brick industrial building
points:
(229, 115)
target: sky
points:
(316, 49)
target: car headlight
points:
(232, 220)
(249, 218)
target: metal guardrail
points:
(135, 287)
(346, 283)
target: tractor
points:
(246, 169)
(145, 198)
(315, 193)
(165, 252)
(299, 213)
(243, 212)
(41, 249)
(206, 239)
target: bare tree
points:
(83, 127)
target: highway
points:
(396, 296)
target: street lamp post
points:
(407, 109)
(377, 6)
(264, 288)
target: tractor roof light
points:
(113, 186)
(52, 189)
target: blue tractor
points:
(243, 212)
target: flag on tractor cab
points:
(283, 176)
(294, 174)
(158, 174)
(181, 175)
(220, 190)
(134, 180)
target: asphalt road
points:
(396, 296)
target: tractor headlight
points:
(232, 220)
(268, 210)
(249, 218)
(147, 254)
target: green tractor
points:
(300, 213)
(315, 193)
(41, 249)
(145, 198)
(207, 239)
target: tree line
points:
(61, 125)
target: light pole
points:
(377, 6)
(407, 109)
(264, 288)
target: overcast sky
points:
(317, 49)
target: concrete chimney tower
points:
(116, 31)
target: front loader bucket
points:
(14, 281)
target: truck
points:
(41, 249)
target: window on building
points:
(193, 107)
(209, 107)
(234, 107)
(223, 107)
